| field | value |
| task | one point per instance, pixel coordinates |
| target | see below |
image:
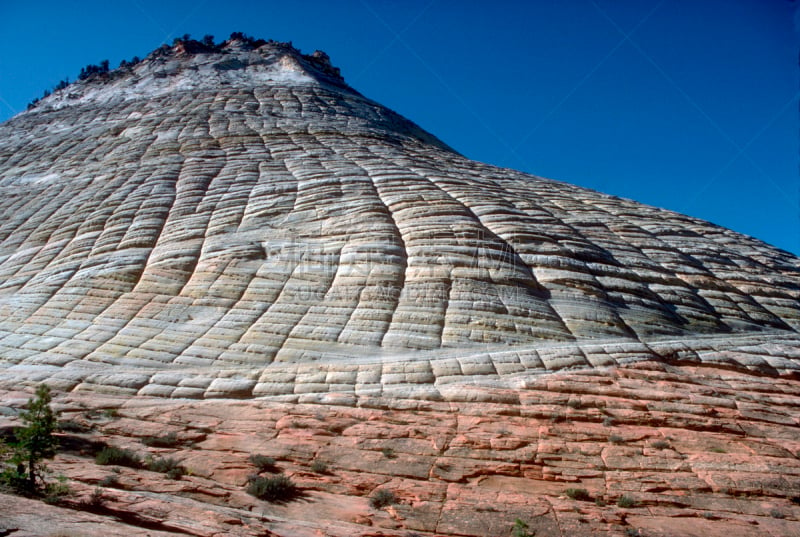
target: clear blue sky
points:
(691, 105)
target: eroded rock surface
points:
(204, 225)
(695, 450)
(237, 248)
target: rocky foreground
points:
(661, 450)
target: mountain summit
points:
(234, 220)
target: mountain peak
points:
(272, 69)
(189, 64)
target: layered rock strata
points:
(660, 451)
(241, 223)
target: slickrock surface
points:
(238, 247)
(200, 225)
(699, 451)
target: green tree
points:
(35, 440)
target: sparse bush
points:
(578, 494)
(319, 467)
(776, 513)
(625, 501)
(275, 489)
(168, 440)
(575, 404)
(382, 498)
(389, 453)
(520, 529)
(118, 457)
(55, 492)
(111, 481)
(263, 463)
(608, 421)
(168, 466)
(660, 444)
(616, 439)
(97, 498)
(717, 450)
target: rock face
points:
(206, 224)
(660, 451)
(239, 223)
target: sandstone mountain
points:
(237, 222)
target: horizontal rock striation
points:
(660, 450)
(242, 223)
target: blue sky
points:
(691, 105)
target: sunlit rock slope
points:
(242, 223)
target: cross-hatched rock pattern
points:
(242, 223)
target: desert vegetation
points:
(275, 489)
(23, 457)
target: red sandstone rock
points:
(467, 469)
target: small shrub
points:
(660, 444)
(118, 457)
(275, 489)
(625, 501)
(111, 413)
(111, 481)
(263, 463)
(168, 466)
(382, 498)
(176, 473)
(97, 498)
(55, 492)
(578, 494)
(573, 403)
(168, 440)
(599, 502)
(520, 529)
(775, 513)
(708, 515)
(608, 421)
(389, 453)
(616, 439)
(319, 467)
(717, 450)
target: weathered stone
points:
(236, 247)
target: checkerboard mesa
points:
(234, 221)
